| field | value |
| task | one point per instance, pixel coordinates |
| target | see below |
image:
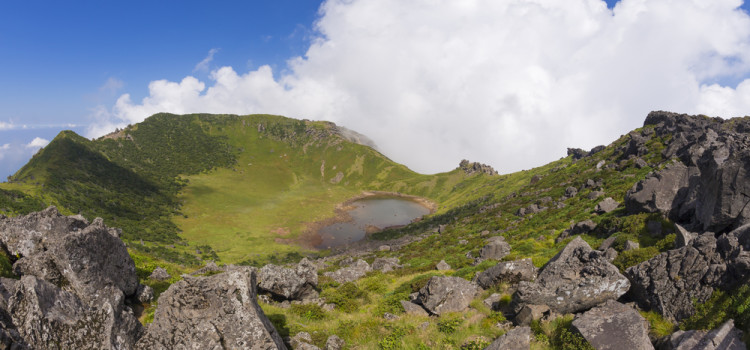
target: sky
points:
(509, 83)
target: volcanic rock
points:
(442, 266)
(445, 294)
(606, 206)
(159, 274)
(213, 312)
(507, 272)
(497, 248)
(576, 279)
(292, 284)
(350, 273)
(726, 337)
(518, 338)
(614, 326)
(385, 264)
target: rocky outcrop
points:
(576, 279)
(672, 281)
(726, 337)
(67, 250)
(350, 273)
(445, 294)
(496, 248)
(531, 209)
(533, 312)
(75, 276)
(614, 326)
(708, 188)
(215, 312)
(292, 284)
(413, 309)
(473, 167)
(50, 318)
(518, 338)
(506, 272)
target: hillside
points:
(665, 207)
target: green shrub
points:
(449, 325)
(475, 345)
(394, 339)
(6, 268)
(721, 307)
(347, 297)
(310, 312)
(634, 257)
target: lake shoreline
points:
(311, 238)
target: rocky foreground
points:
(78, 289)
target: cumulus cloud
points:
(6, 126)
(37, 143)
(204, 64)
(509, 83)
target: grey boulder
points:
(292, 284)
(614, 326)
(497, 248)
(385, 264)
(507, 272)
(159, 274)
(726, 337)
(215, 312)
(445, 294)
(518, 338)
(607, 205)
(350, 273)
(442, 266)
(576, 279)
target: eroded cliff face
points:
(706, 187)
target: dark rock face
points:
(350, 273)
(614, 326)
(577, 153)
(215, 312)
(576, 279)
(726, 337)
(292, 284)
(709, 188)
(671, 281)
(497, 248)
(508, 272)
(446, 294)
(518, 338)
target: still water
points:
(375, 213)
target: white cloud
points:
(203, 65)
(511, 84)
(6, 126)
(111, 86)
(37, 143)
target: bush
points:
(310, 312)
(348, 297)
(634, 257)
(450, 325)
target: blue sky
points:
(61, 61)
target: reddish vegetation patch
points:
(281, 231)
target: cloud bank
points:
(508, 83)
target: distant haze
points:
(507, 83)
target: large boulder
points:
(614, 326)
(706, 189)
(607, 205)
(496, 248)
(576, 279)
(67, 250)
(726, 337)
(216, 312)
(507, 272)
(293, 284)
(48, 317)
(445, 294)
(350, 273)
(518, 338)
(673, 281)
